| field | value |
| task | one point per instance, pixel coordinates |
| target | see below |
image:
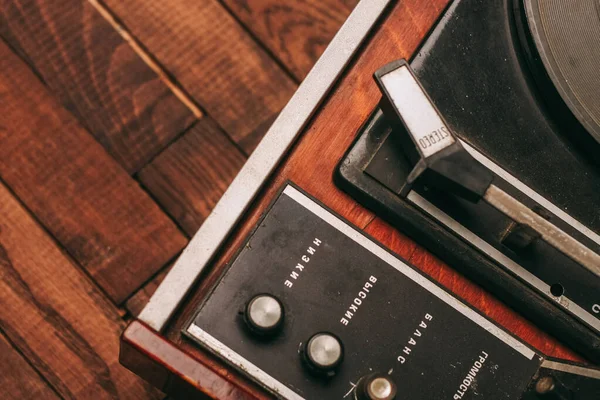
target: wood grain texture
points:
(97, 76)
(136, 303)
(18, 380)
(176, 372)
(214, 59)
(314, 158)
(190, 176)
(77, 191)
(295, 31)
(55, 315)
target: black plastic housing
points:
(451, 168)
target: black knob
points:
(323, 353)
(375, 387)
(264, 314)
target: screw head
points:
(545, 385)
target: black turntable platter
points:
(566, 38)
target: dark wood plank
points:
(190, 176)
(79, 193)
(18, 381)
(215, 60)
(55, 315)
(323, 143)
(97, 76)
(136, 303)
(295, 31)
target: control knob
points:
(323, 353)
(375, 387)
(264, 314)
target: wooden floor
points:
(121, 124)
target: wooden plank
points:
(136, 303)
(55, 315)
(77, 191)
(17, 379)
(295, 31)
(190, 176)
(97, 76)
(214, 59)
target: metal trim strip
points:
(266, 380)
(261, 163)
(571, 369)
(532, 194)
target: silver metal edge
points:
(260, 376)
(499, 257)
(571, 369)
(261, 163)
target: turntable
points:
(480, 140)
(518, 84)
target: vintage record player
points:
(518, 82)
(483, 147)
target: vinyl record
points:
(566, 34)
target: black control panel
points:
(311, 308)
